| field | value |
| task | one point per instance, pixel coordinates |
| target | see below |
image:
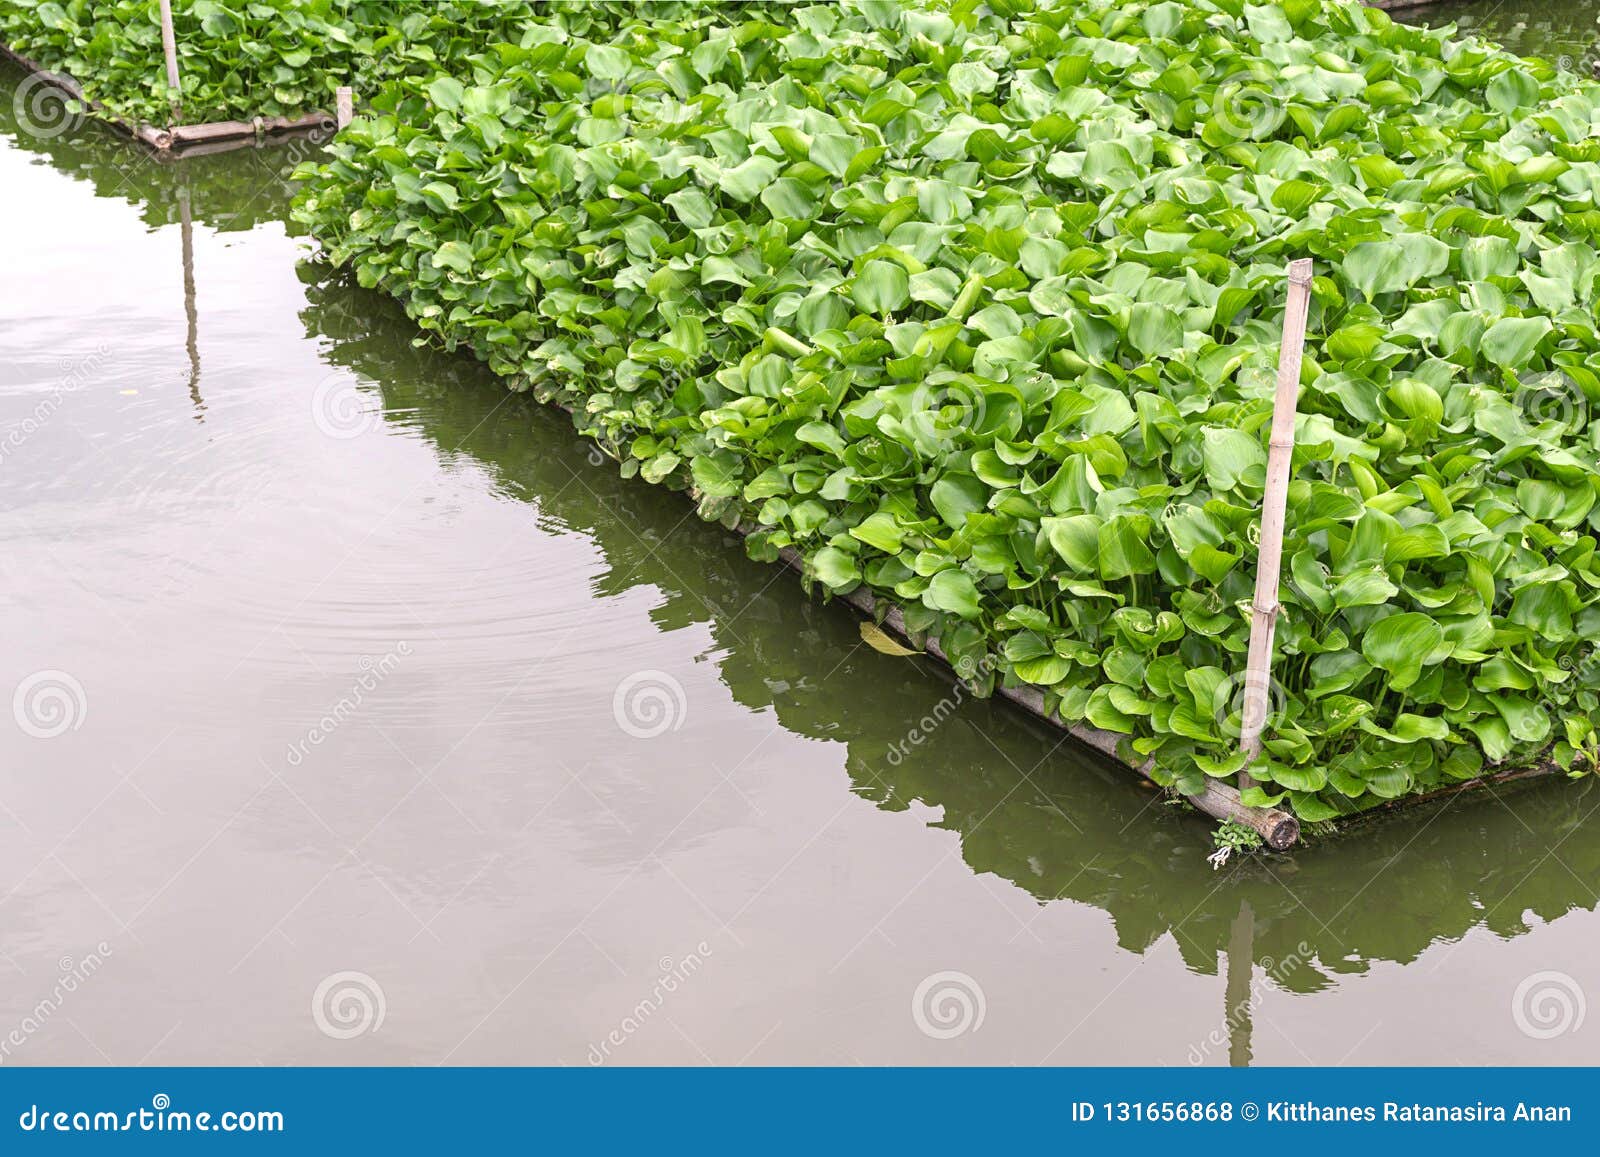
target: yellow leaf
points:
(881, 641)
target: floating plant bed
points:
(977, 311)
(240, 72)
(211, 137)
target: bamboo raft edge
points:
(210, 136)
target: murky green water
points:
(1562, 31)
(347, 681)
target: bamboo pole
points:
(1280, 457)
(346, 107)
(169, 45)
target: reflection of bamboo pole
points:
(1280, 457)
(169, 45)
(186, 226)
(1241, 961)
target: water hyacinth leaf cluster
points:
(978, 305)
(243, 58)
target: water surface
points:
(348, 682)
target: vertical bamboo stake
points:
(346, 109)
(169, 44)
(1280, 454)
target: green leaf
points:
(1077, 540)
(1155, 330)
(835, 568)
(1229, 455)
(454, 255)
(1401, 644)
(953, 591)
(446, 92)
(879, 530)
(881, 288)
(1377, 267)
(1510, 342)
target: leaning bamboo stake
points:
(346, 107)
(169, 45)
(1280, 454)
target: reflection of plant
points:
(974, 329)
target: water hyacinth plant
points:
(243, 58)
(977, 304)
